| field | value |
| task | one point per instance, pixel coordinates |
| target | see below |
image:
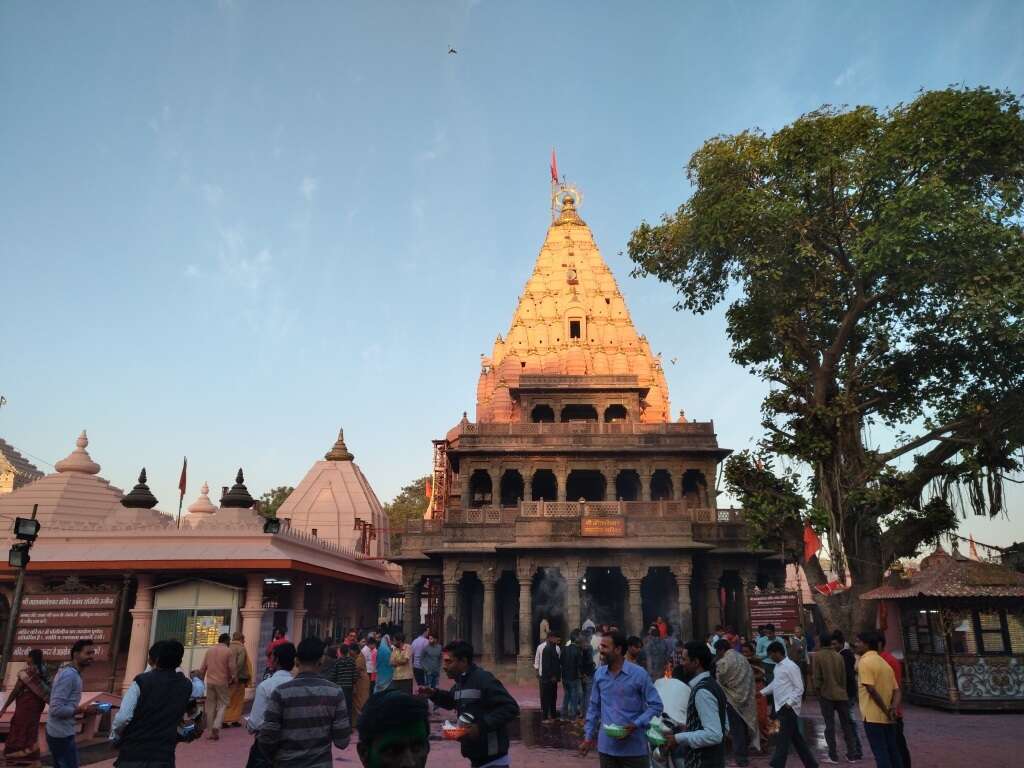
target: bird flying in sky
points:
(451, 50)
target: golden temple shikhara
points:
(573, 496)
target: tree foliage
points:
(410, 504)
(271, 501)
(873, 264)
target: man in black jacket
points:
(160, 699)
(548, 663)
(572, 685)
(479, 697)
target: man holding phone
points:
(65, 705)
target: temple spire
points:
(140, 497)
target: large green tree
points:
(873, 262)
(410, 504)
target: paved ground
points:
(937, 739)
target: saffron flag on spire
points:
(974, 549)
(554, 167)
(811, 542)
(429, 489)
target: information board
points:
(603, 526)
(779, 608)
(53, 621)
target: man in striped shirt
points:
(305, 716)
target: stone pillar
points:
(562, 479)
(410, 610)
(636, 613)
(526, 647)
(487, 577)
(677, 487)
(684, 573)
(451, 610)
(572, 599)
(297, 629)
(142, 622)
(645, 484)
(252, 618)
(712, 585)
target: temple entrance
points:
(549, 598)
(506, 619)
(511, 488)
(627, 485)
(603, 596)
(471, 610)
(586, 484)
(661, 486)
(544, 486)
(659, 596)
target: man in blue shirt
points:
(622, 695)
(65, 704)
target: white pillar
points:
(142, 622)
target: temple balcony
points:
(574, 524)
(600, 435)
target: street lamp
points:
(18, 557)
(26, 529)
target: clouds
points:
(308, 188)
(212, 194)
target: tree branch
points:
(935, 434)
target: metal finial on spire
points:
(238, 497)
(339, 451)
(140, 496)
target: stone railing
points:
(678, 509)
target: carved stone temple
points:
(572, 495)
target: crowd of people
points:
(658, 700)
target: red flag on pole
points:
(554, 167)
(811, 542)
(181, 481)
(430, 488)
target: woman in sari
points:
(30, 694)
(360, 686)
(384, 669)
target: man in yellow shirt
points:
(401, 660)
(878, 694)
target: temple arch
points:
(586, 484)
(661, 485)
(615, 412)
(578, 412)
(544, 485)
(627, 485)
(480, 488)
(542, 414)
(511, 488)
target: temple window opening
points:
(542, 414)
(480, 488)
(586, 484)
(579, 413)
(544, 486)
(615, 413)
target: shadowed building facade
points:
(572, 495)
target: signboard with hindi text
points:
(53, 621)
(603, 526)
(781, 609)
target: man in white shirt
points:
(787, 689)
(283, 660)
(547, 662)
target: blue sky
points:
(230, 228)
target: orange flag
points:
(429, 488)
(554, 166)
(811, 542)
